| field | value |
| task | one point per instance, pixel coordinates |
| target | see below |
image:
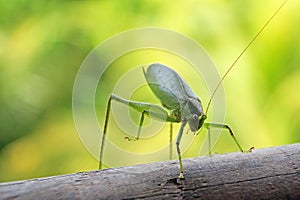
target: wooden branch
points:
(272, 173)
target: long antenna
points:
(244, 50)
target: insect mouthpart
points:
(202, 118)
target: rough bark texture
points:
(272, 173)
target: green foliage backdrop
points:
(43, 43)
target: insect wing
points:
(168, 86)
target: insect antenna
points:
(240, 55)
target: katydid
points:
(179, 102)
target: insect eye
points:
(195, 116)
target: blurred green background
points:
(43, 43)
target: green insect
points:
(179, 103)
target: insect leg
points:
(178, 148)
(209, 141)
(224, 126)
(140, 125)
(139, 129)
(171, 139)
(152, 110)
(104, 131)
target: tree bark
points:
(271, 173)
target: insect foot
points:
(181, 175)
(250, 150)
(130, 139)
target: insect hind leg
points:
(139, 128)
(104, 131)
(152, 110)
(139, 133)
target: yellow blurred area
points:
(43, 44)
(53, 148)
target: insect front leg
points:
(178, 148)
(223, 126)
